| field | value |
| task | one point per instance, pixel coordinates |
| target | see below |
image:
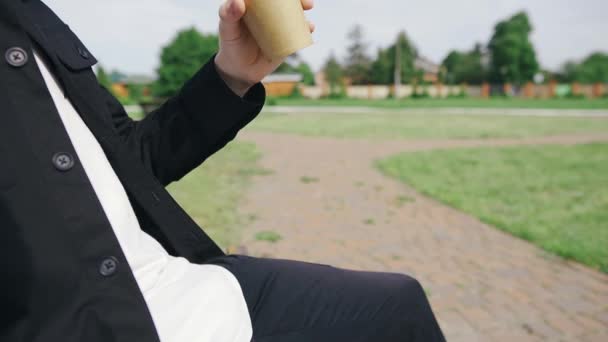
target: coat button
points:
(63, 161)
(16, 57)
(83, 52)
(108, 266)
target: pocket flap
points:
(70, 50)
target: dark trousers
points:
(293, 301)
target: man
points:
(94, 249)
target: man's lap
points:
(298, 301)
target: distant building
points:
(430, 69)
(321, 80)
(122, 87)
(281, 84)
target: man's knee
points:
(417, 311)
(410, 293)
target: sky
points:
(129, 34)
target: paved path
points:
(484, 285)
(445, 111)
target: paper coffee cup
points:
(278, 26)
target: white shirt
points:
(188, 302)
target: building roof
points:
(275, 78)
(138, 79)
(426, 65)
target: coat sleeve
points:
(190, 127)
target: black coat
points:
(63, 274)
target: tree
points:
(357, 63)
(383, 68)
(285, 68)
(465, 67)
(103, 78)
(568, 73)
(513, 58)
(593, 69)
(308, 77)
(182, 58)
(334, 75)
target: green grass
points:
(210, 194)
(268, 236)
(402, 200)
(308, 179)
(453, 103)
(553, 196)
(369, 221)
(417, 126)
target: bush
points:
(460, 95)
(271, 101)
(296, 93)
(573, 96)
(423, 95)
(127, 100)
(336, 96)
(501, 96)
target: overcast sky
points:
(128, 34)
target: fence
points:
(530, 90)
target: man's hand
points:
(240, 61)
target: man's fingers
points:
(233, 10)
(312, 26)
(307, 4)
(231, 13)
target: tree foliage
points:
(308, 77)
(465, 67)
(357, 65)
(593, 69)
(383, 68)
(302, 68)
(285, 68)
(334, 75)
(103, 78)
(513, 58)
(182, 58)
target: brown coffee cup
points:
(278, 26)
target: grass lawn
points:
(554, 196)
(210, 194)
(452, 103)
(433, 126)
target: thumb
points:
(232, 10)
(231, 13)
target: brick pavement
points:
(483, 284)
